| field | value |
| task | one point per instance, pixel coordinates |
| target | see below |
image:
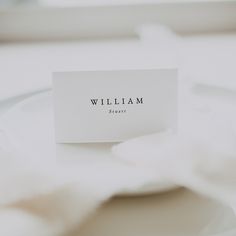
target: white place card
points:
(113, 106)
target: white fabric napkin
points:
(48, 199)
(201, 157)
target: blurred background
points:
(76, 19)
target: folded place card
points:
(113, 106)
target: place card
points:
(113, 106)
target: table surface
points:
(27, 66)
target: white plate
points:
(29, 125)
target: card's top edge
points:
(116, 70)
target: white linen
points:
(44, 197)
(47, 199)
(200, 157)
